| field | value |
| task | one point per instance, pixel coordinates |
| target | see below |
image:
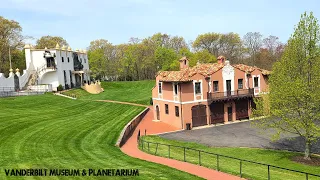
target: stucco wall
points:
(6, 82)
(50, 78)
(170, 118)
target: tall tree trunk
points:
(307, 150)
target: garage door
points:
(217, 113)
(242, 109)
(199, 115)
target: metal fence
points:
(19, 93)
(145, 145)
(10, 91)
(7, 89)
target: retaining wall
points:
(130, 127)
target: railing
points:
(145, 145)
(7, 89)
(230, 94)
(20, 93)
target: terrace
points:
(228, 95)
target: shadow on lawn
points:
(294, 144)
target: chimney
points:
(221, 59)
(184, 63)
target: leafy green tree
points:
(293, 104)
(209, 42)
(202, 57)
(11, 38)
(166, 58)
(50, 42)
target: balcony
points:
(228, 95)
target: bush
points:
(59, 88)
(151, 101)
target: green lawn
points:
(250, 171)
(128, 91)
(53, 132)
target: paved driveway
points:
(241, 134)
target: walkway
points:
(131, 149)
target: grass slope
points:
(54, 132)
(250, 171)
(128, 91)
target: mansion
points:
(207, 93)
(50, 67)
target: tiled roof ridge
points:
(252, 67)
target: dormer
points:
(184, 63)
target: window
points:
(240, 83)
(62, 59)
(177, 111)
(160, 87)
(85, 60)
(256, 80)
(197, 87)
(70, 77)
(185, 62)
(167, 108)
(65, 77)
(68, 59)
(175, 86)
(215, 86)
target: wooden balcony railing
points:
(230, 94)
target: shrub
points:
(151, 101)
(59, 88)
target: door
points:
(242, 109)
(158, 112)
(199, 115)
(217, 112)
(229, 113)
(228, 87)
(16, 83)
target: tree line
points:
(141, 59)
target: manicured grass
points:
(53, 132)
(128, 91)
(249, 170)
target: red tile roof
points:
(249, 69)
(185, 75)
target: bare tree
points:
(253, 43)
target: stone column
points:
(225, 113)
(17, 72)
(208, 114)
(234, 117)
(11, 72)
(249, 107)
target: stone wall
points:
(130, 127)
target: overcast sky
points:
(81, 21)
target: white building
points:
(58, 66)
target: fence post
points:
(169, 151)
(145, 131)
(156, 149)
(241, 168)
(217, 162)
(268, 172)
(184, 154)
(199, 158)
